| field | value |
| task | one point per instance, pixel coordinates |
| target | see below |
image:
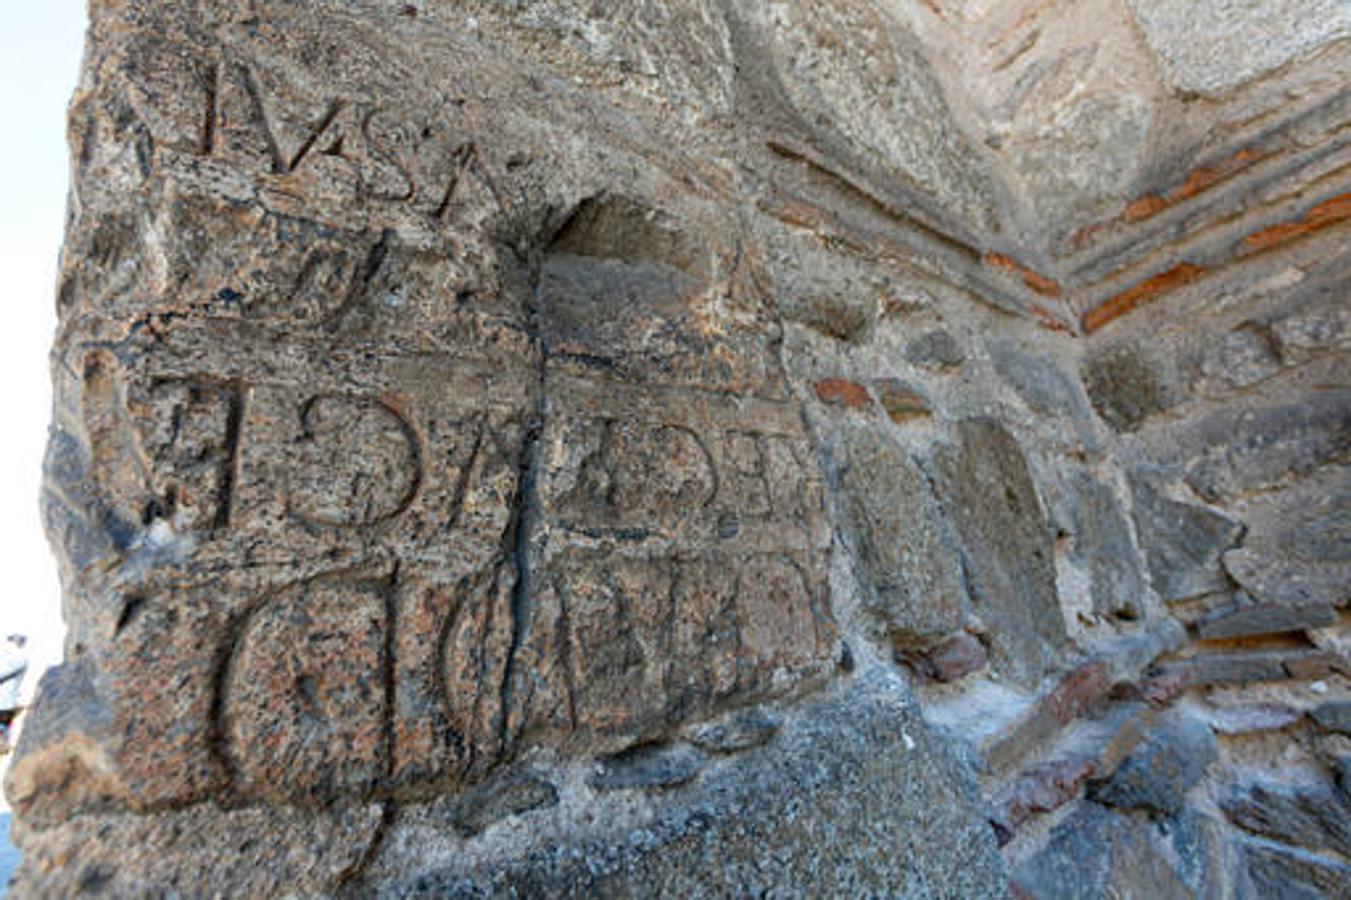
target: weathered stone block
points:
(1253, 717)
(1242, 620)
(445, 484)
(1210, 47)
(1334, 716)
(652, 767)
(1039, 790)
(987, 491)
(1158, 772)
(1128, 384)
(1097, 853)
(1103, 545)
(819, 808)
(1238, 451)
(1230, 668)
(1042, 384)
(935, 350)
(1289, 872)
(950, 660)
(1183, 542)
(735, 732)
(906, 550)
(1314, 817)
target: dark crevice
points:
(349, 881)
(225, 491)
(255, 94)
(211, 88)
(524, 511)
(390, 672)
(365, 275)
(517, 554)
(329, 116)
(132, 604)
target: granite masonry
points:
(701, 448)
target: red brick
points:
(1198, 181)
(1324, 215)
(1048, 319)
(1079, 692)
(1159, 690)
(1042, 789)
(1035, 280)
(901, 401)
(1143, 208)
(841, 392)
(955, 657)
(1147, 290)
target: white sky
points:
(40, 46)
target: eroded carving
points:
(305, 699)
(632, 476)
(357, 462)
(190, 429)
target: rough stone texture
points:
(1103, 545)
(905, 544)
(951, 659)
(935, 350)
(1296, 553)
(1335, 716)
(1285, 872)
(1159, 772)
(1316, 818)
(825, 792)
(1127, 384)
(1044, 788)
(1240, 620)
(987, 489)
(1038, 381)
(735, 732)
(1100, 853)
(901, 401)
(1096, 853)
(1183, 542)
(539, 447)
(1210, 47)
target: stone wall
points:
(700, 448)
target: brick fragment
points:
(1157, 691)
(1324, 215)
(1079, 692)
(1266, 618)
(1041, 789)
(1144, 207)
(952, 659)
(1256, 666)
(1049, 320)
(1150, 289)
(842, 392)
(1048, 287)
(901, 401)
(1198, 180)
